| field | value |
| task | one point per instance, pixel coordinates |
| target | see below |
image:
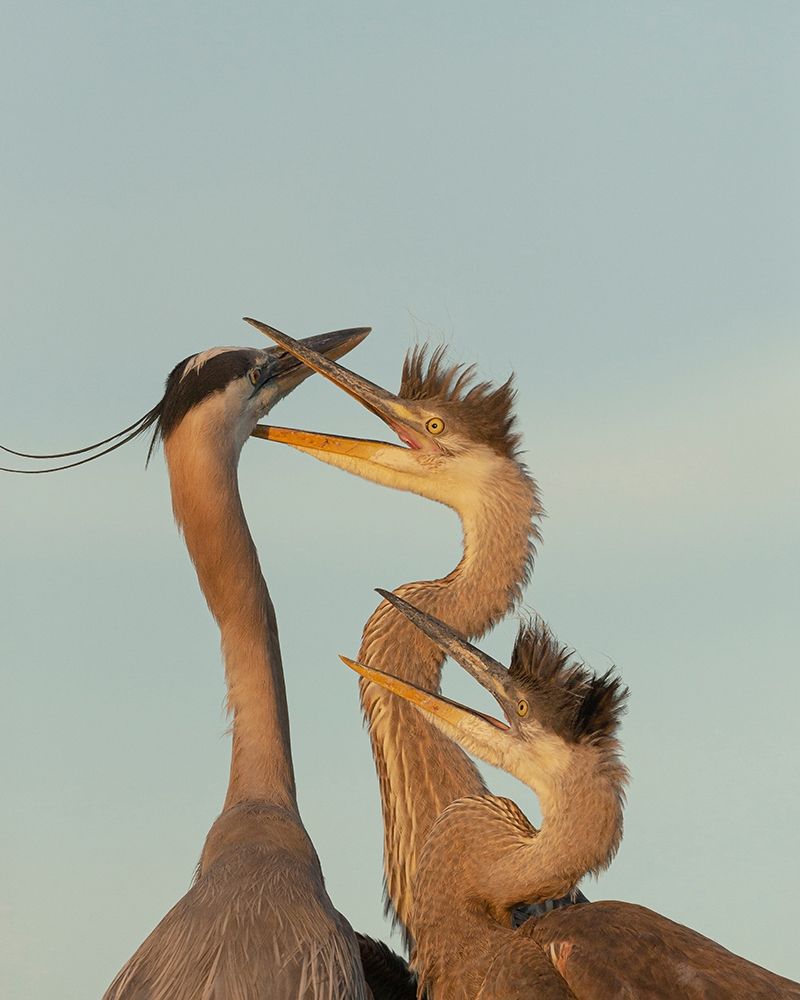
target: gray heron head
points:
(234, 387)
(226, 390)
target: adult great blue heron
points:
(459, 447)
(558, 734)
(258, 921)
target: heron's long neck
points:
(420, 770)
(580, 833)
(208, 509)
(483, 857)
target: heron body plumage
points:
(387, 975)
(257, 923)
(611, 950)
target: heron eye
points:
(254, 375)
(522, 708)
(435, 425)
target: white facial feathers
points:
(196, 363)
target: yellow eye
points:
(435, 425)
(254, 375)
(522, 708)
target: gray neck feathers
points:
(420, 770)
(207, 506)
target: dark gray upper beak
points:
(330, 345)
(486, 671)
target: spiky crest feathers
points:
(566, 696)
(485, 411)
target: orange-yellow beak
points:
(446, 711)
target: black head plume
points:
(120, 438)
(565, 695)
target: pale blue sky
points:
(602, 197)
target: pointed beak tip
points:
(269, 331)
(400, 604)
(354, 665)
(258, 325)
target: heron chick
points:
(559, 735)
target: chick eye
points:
(254, 375)
(522, 708)
(435, 425)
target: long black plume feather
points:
(77, 451)
(124, 436)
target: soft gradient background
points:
(601, 197)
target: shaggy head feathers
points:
(482, 411)
(565, 695)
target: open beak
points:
(384, 404)
(486, 671)
(444, 710)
